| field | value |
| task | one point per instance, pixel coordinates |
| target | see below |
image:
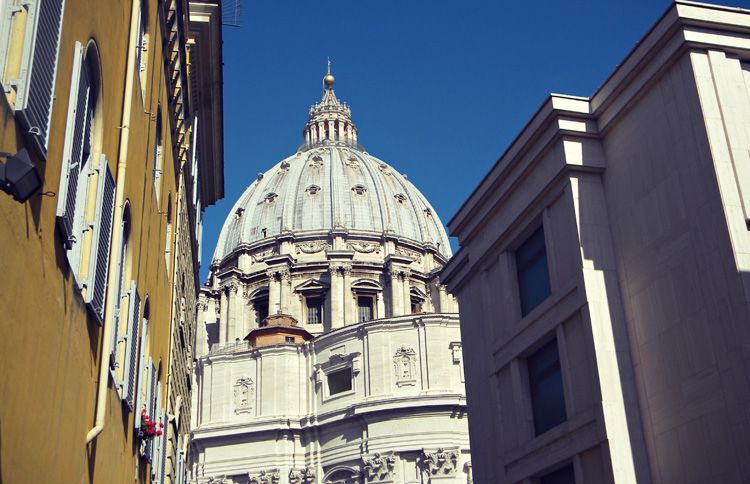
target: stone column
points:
(232, 312)
(395, 293)
(380, 305)
(321, 131)
(223, 306)
(442, 298)
(337, 320)
(407, 294)
(348, 316)
(274, 291)
(249, 311)
(284, 290)
(331, 133)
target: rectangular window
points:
(314, 310)
(340, 381)
(533, 275)
(546, 388)
(566, 475)
(364, 308)
(289, 339)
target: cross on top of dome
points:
(330, 120)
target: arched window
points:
(259, 302)
(365, 292)
(141, 47)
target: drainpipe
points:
(101, 394)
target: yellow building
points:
(100, 264)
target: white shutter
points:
(70, 164)
(143, 380)
(39, 66)
(131, 347)
(156, 453)
(163, 457)
(96, 282)
(150, 407)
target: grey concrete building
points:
(603, 273)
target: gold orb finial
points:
(328, 80)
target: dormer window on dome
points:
(269, 198)
(400, 197)
(359, 189)
(312, 189)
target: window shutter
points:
(150, 407)
(156, 441)
(96, 284)
(70, 164)
(163, 457)
(39, 66)
(143, 382)
(131, 347)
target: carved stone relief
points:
(440, 462)
(263, 255)
(404, 365)
(311, 247)
(302, 476)
(378, 467)
(411, 254)
(364, 247)
(244, 395)
(265, 477)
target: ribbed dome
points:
(332, 185)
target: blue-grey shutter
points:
(71, 159)
(131, 347)
(39, 66)
(143, 383)
(96, 282)
(163, 457)
(153, 389)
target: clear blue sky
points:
(438, 89)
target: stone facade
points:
(640, 192)
(376, 396)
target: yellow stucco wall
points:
(49, 345)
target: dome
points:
(331, 187)
(331, 183)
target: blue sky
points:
(438, 89)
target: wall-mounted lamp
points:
(18, 176)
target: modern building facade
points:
(329, 351)
(603, 273)
(99, 95)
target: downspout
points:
(101, 394)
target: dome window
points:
(359, 189)
(285, 166)
(400, 197)
(384, 168)
(316, 162)
(312, 189)
(352, 162)
(428, 212)
(270, 197)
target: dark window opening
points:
(261, 310)
(416, 306)
(314, 309)
(340, 381)
(364, 308)
(546, 388)
(565, 475)
(533, 275)
(289, 339)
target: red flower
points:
(158, 433)
(161, 425)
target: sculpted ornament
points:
(405, 366)
(413, 255)
(263, 255)
(364, 247)
(244, 395)
(441, 462)
(265, 477)
(302, 476)
(311, 247)
(378, 467)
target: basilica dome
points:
(331, 183)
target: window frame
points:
(526, 263)
(535, 379)
(336, 370)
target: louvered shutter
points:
(39, 66)
(163, 457)
(151, 396)
(143, 381)
(156, 441)
(96, 282)
(71, 159)
(131, 347)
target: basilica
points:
(328, 351)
